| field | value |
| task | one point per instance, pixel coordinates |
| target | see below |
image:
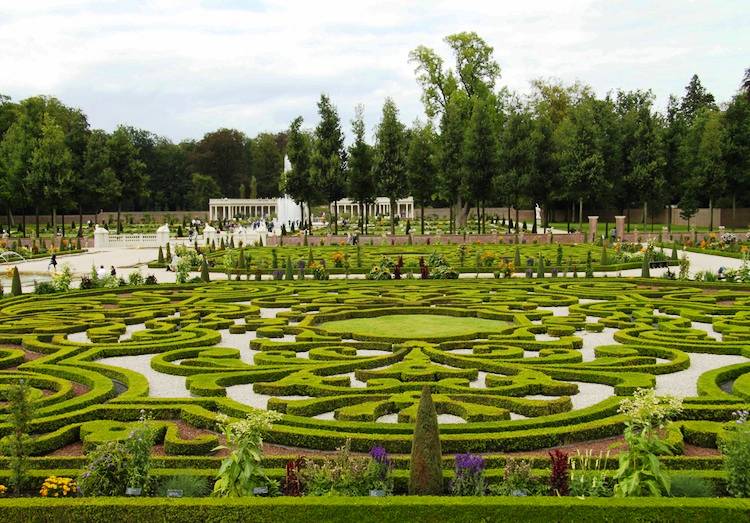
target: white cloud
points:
(182, 68)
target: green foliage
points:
(17, 443)
(191, 486)
(645, 267)
(517, 480)
(62, 279)
(736, 450)
(686, 486)
(107, 470)
(425, 468)
(242, 471)
(160, 257)
(588, 474)
(205, 277)
(540, 267)
(604, 259)
(640, 472)
(15, 286)
(589, 267)
(343, 475)
(138, 444)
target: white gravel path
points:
(683, 384)
(159, 385)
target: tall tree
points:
(223, 155)
(51, 163)
(481, 155)
(579, 152)
(202, 188)
(389, 166)
(422, 166)
(696, 98)
(94, 186)
(703, 150)
(745, 85)
(454, 90)
(266, 164)
(737, 151)
(643, 152)
(362, 186)
(329, 157)
(298, 182)
(518, 166)
(452, 125)
(127, 168)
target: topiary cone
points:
(204, 271)
(160, 258)
(15, 286)
(426, 467)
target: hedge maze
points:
(513, 364)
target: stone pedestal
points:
(593, 223)
(620, 226)
(101, 238)
(162, 235)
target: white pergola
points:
(382, 207)
(229, 208)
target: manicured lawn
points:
(415, 326)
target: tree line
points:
(479, 145)
(561, 146)
(52, 161)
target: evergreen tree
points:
(481, 159)
(422, 166)
(160, 257)
(15, 285)
(298, 183)
(328, 163)
(425, 466)
(205, 277)
(389, 166)
(362, 183)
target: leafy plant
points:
(341, 475)
(138, 444)
(58, 487)
(469, 476)
(560, 476)
(517, 480)
(735, 447)
(685, 486)
(640, 472)
(241, 471)
(190, 485)
(587, 474)
(16, 444)
(106, 472)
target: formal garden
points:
(344, 397)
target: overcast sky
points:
(181, 68)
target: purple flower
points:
(469, 464)
(379, 454)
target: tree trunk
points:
(669, 219)
(734, 210)
(393, 216)
(628, 219)
(119, 211)
(567, 217)
(484, 218)
(459, 206)
(335, 218)
(421, 218)
(645, 213)
(80, 220)
(479, 219)
(711, 212)
(361, 218)
(450, 218)
(23, 226)
(37, 220)
(62, 223)
(367, 218)
(517, 227)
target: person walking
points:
(53, 263)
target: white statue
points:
(538, 216)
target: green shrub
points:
(686, 486)
(106, 473)
(425, 468)
(736, 450)
(191, 486)
(17, 444)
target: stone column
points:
(620, 227)
(593, 222)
